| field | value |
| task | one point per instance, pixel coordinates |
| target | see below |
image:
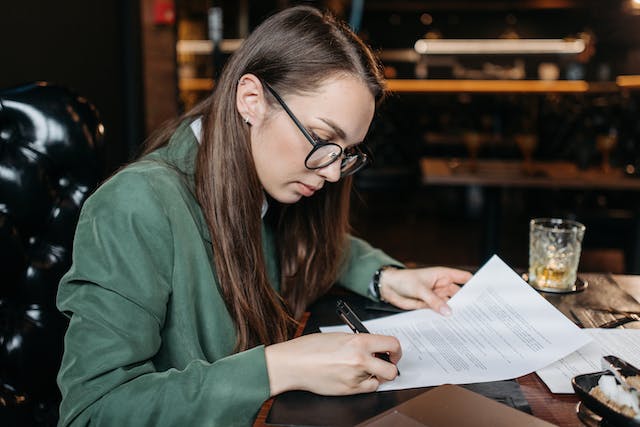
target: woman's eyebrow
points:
(337, 129)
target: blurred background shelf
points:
(196, 84)
(487, 86)
(512, 174)
(628, 82)
(472, 86)
(449, 107)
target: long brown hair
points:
(294, 51)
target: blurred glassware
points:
(548, 71)
(605, 143)
(472, 141)
(527, 143)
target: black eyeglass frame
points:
(365, 157)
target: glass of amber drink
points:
(554, 252)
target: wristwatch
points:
(374, 285)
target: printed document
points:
(624, 343)
(501, 328)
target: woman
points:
(192, 264)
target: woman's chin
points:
(286, 197)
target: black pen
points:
(351, 319)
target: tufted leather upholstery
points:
(50, 148)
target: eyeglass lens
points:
(324, 155)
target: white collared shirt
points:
(196, 127)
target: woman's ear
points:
(250, 101)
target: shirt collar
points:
(196, 127)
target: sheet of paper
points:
(624, 343)
(501, 328)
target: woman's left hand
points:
(422, 287)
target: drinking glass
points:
(554, 252)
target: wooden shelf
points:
(408, 5)
(510, 173)
(193, 84)
(628, 82)
(473, 86)
(497, 86)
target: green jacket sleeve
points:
(362, 261)
(116, 295)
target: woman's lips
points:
(306, 190)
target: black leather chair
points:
(50, 160)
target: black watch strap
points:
(375, 281)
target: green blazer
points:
(150, 341)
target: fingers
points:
(374, 343)
(377, 345)
(425, 288)
(426, 298)
(383, 373)
(383, 370)
(456, 275)
(381, 345)
(408, 303)
(434, 301)
(446, 291)
(369, 385)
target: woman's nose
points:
(330, 172)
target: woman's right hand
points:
(332, 363)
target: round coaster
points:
(579, 286)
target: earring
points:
(246, 120)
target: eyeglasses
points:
(325, 153)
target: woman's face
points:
(339, 111)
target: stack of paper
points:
(501, 328)
(624, 343)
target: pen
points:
(351, 319)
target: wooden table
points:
(494, 176)
(559, 409)
(510, 173)
(630, 283)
